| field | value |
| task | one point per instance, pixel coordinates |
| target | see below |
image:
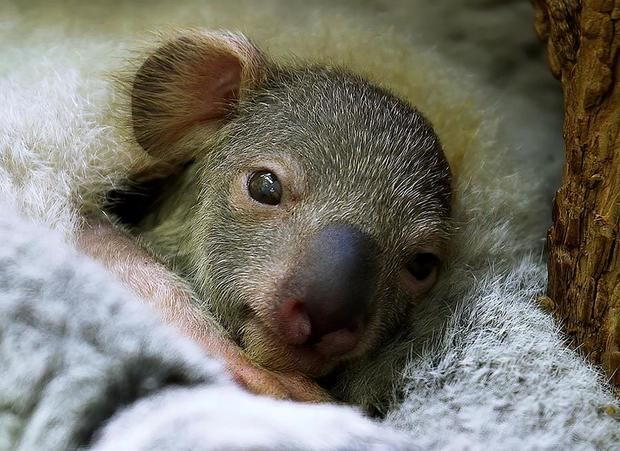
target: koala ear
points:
(196, 77)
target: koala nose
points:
(337, 279)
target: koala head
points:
(314, 212)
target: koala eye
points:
(264, 187)
(422, 265)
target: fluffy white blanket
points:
(84, 364)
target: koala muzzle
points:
(336, 282)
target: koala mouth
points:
(299, 329)
(288, 340)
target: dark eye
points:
(264, 187)
(422, 265)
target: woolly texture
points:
(499, 375)
(504, 371)
(76, 349)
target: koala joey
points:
(307, 208)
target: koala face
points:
(320, 210)
(322, 215)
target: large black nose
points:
(339, 275)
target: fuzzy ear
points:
(196, 77)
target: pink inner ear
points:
(216, 91)
(192, 80)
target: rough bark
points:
(583, 42)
